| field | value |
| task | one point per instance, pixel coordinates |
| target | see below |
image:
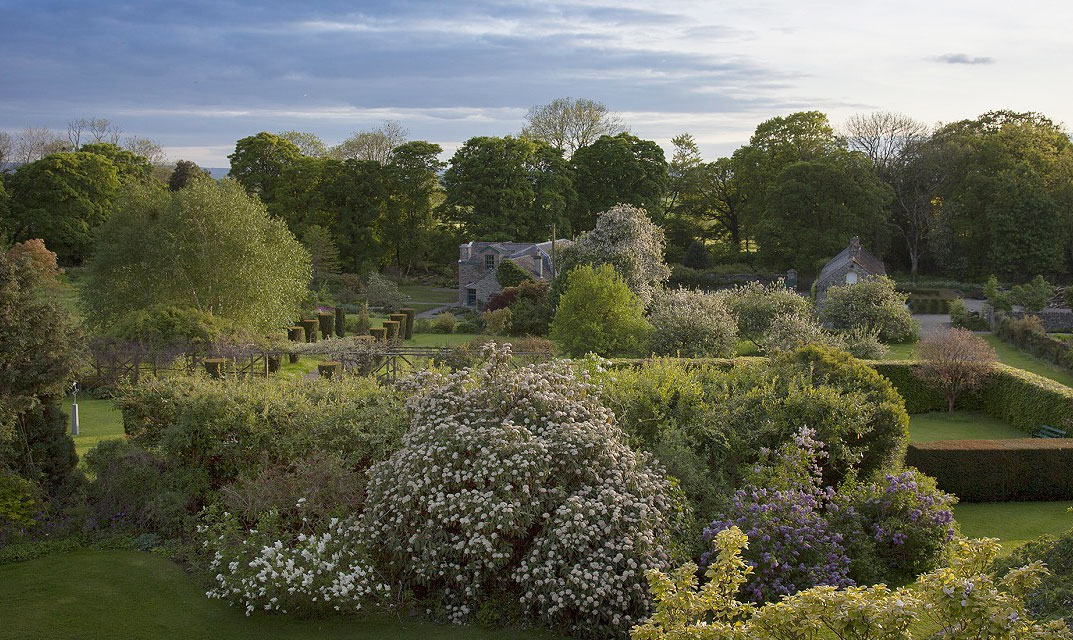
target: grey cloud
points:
(962, 58)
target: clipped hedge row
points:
(1018, 397)
(998, 470)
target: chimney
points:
(855, 246)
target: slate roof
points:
(854, 254)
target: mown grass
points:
(130, 594)
(97, 420)
(960, 425)
(1014, 523)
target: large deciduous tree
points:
(507, 189)
(1008, 204)
(413, 177)
(209, 247)
(62, 199)
(376, 145)
(620, 169)
(569, 124)
(184, 173)
(130, 167)
(815, 206)
(259, 161)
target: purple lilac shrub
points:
(783, 512)
(906, 521)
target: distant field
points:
(960, 425)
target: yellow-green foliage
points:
(960, 601)
(599, 314)
(17, 502)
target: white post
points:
(74, 418)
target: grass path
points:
(130, 594)
(97, 420)
(1007, 354)
(960, 425)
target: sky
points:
(198, 75)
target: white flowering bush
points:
(791, 331)
(755, 306)
(322, 569)
(629, 241)
(516, 480)
(691, 324)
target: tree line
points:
(993, 194)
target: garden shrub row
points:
(1024, 400)
(998, 470)
(1029, 334)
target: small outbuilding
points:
(850, 266)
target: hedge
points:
(998, 470)
(1024, 400)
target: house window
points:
(471, 297)
(490, 261)
(851, 277)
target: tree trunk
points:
(950, 404)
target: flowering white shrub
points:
(627, 240)
(790, 331)
(517, 481)
(323, 570)
(755, 306)
(691, 324)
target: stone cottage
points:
(850, 266)
(478, 262)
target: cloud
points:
(962, 58)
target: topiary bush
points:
(517, 481)
(691, 324)
(599, 314)
(873, 303)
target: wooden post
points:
(215, 367)
(340, 322)
(411, 315)
(326, 323)
(329, 369)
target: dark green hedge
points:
(998, 470)
(1018, 397)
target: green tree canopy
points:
(1008, 204)
(413, 177)
(259, 161)
(209, 247)
(815, 206)
(620, 169)
(599, 314)
(184, 173)
(507, 189)
(62, 199)
(130, 167)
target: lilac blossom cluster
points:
(792, 547)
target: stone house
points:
(479, 261)
(850, 266)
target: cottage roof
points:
(854, 254)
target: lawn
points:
(424, 297)
(1007, 354)
(1014, 523)
(130, 594)
(97, 420)
(1011, 355)
(960, 425)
